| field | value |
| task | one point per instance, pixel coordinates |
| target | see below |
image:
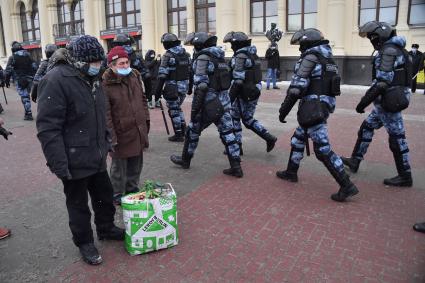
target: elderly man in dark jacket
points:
(71, 125)
(127, 117)
(417, 63)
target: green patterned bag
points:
(150, 218)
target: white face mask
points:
(414, 50)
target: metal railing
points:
(68, 29)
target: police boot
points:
(235, 168)
(184, 159)
(111, 233)
(269, 138)
(290, 174)
(347, 188)
(1, 109)
(28, 116)
(178, 137)
(352, 163)
(404, 177)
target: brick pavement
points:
(255, 229)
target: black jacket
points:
(417, 61)
(71, 123)
(272, 56)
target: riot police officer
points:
(390, 95)
(173, 82)
(246, 88)
(136, 61)
(23, 67)
(42, 70)
(315, 83)
(211, 103)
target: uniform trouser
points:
(245, 110)
(271, 75)
(100, 189)
(393, 123)
(125, 173)
(413, 86)
(24, 93)
(225, 129)
(322, 148)
(176, 113)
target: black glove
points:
(371, 94)
(159, 86)
(148, 125)
(198, 100)
(34, 92)
(292, 95)
(5, 133)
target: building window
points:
(30, 25)
(263, 13)
(125, 13)
(416, 12)
(35, 21)
(301, 14)
(378, 10)
(177, 17)
(205, 15)
(71, 18)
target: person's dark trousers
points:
(100, 189)
(414, 85)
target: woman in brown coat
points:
(128, 120)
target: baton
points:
(163, 117)
(4, 93)
(415, 75)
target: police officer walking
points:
(173, 82)
(316, 83)
(246, 88)
(136, 61)
(23, 67)
(42, 70)
(211, 103)
(390, 95)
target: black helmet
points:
(237, 39)
(49, 50)
(307, 38)
(122, 39)
(203, 40)
(170, 40)
(377, 32)
(189, 38)
(16, 46)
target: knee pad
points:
(364, 126)
(393, 142)
(321, 150)
(249, 122)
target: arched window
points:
(35, 21)
(24, 23)
(71, 19)
(177, 17)
(3, 46)
(122, 13)
(30, 23)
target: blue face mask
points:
(93, 71)
(124, 72)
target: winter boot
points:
(352, 163)
(157, 104)
(184, 159)
(271, 141)
(113, 233)
(90, 254)
(240, 150)
(235, 168)
(401, 180)
(290, 174)
(150, 105)
(347, 188)
(178, 137)
(404, 177)
(419, 227)
(28, 116)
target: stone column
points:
(190, 12)
(147, 10)
(335, 25)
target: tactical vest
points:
(403, 73)
(329, 81)
(221, 78)
(253, 74)
(23, 65)
(181, 73)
